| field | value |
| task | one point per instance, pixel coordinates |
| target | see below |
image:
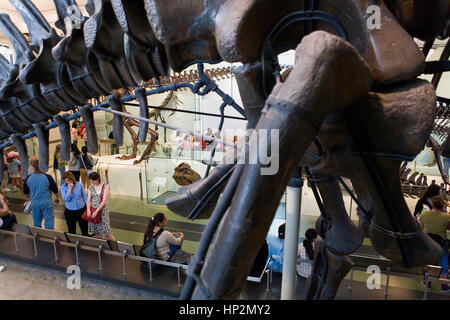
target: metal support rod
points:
(293, 208)
(388, 274)
(179, 276)
(351, 202)
(350, 283)
(34, 244)
(170, 127)
(150, 270)
(267, 272)
(77, 244)
(100, 250)
(15, 242)
(55, 240)
(140, 186)
(188, 111)
(427, 280)
(271, 276)
(124, 255)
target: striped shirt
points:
(303, 268)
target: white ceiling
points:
(46, 7)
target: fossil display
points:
(184, 175)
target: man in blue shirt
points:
(75, 200)
(39, 187)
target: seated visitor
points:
(435, 223)
(425, 200)
(167, 245)
(7, 218)
(276, 249)
(306, 252)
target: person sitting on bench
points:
(168, 244)
(435, 223)
(7, 218)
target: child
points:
(13, 172)
(186, 143)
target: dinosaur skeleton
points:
(171, 102)
(216, 74)
(349, 101)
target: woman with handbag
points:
(75, 203)
(97, 211)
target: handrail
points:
(125, 255)
(95, 249)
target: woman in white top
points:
(306, 252)
(165, 239)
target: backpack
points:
(149, 249)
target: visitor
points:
(114, 147)
(306, 252)
(209, 134)
(5, 176)
(435, 223)
(276, 249)
(74, 133)
(83, 134)
(58, 164)
(432, 191)
(30, 167)
(446, 162)
(199, 143)
(75, 200)
(74, 162)
(179, 140)
(220, 145)
(167, 243)
(87, 163)
(186, 145)
(7, 218)
(38, 189)
(13, 172)
(99, 191)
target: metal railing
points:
(99, 250)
